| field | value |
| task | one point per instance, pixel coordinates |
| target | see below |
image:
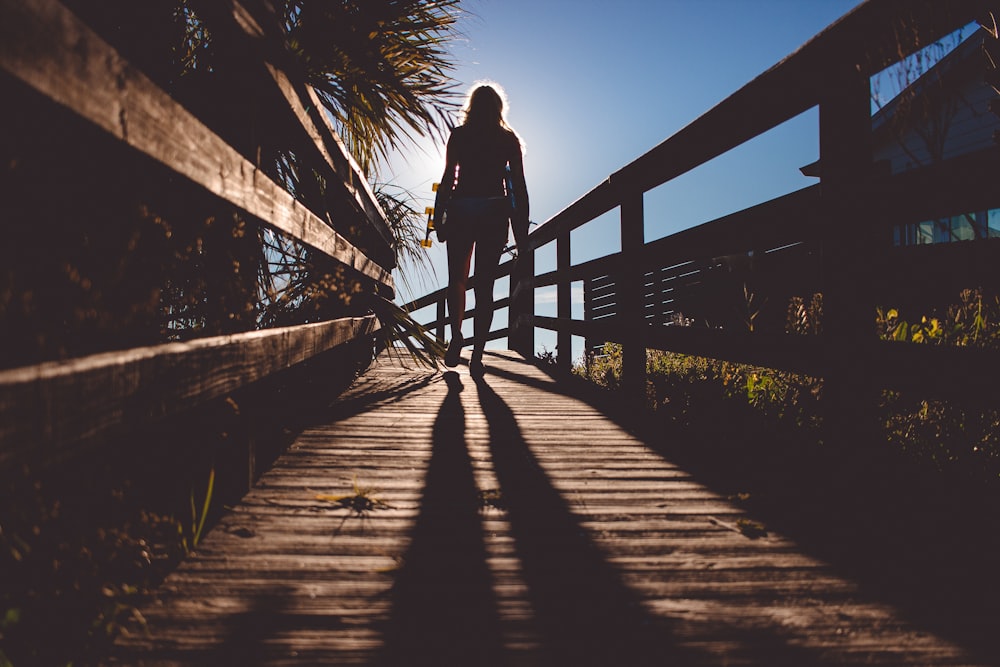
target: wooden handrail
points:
(54, 406)
(50, 54)
(246, 19)
(51, 50)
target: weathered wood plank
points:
(51, 406)
(48, 48)
(576, 543)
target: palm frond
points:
(379, 66)
(403, 333)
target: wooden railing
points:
(832, 238)
(53, 63)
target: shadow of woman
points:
(443, 605)
(585, 614)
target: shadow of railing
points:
(920, 541)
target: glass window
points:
(962, 229)
(994, 223)
(925, 232)
(942, 230)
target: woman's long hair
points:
(485, 107)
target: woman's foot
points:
(476, 368)
(454, 352)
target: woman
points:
(474, 202)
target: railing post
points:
(629, 297)
(521, 311)
(849, 254)
(588, 316)
(564, 306)
(442, 316)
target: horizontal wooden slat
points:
(426, 300)
(584, 271)
(48, 48)
(50, 406)
(960, 185)
(350, 170)
(597, 202)
(932, 370)
(890, 365)
(504, 269)
(787, 219)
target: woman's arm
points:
(519, 220)
(447, 183)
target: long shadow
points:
(444, 610)
(920, 542)
(586, 615)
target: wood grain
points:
(597, 551)
(49, 407)
(48, 48)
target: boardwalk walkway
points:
(518, 526)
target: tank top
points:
(482, 157)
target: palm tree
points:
(379, 66)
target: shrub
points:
(958, 436)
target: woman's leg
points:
(459, 260)
(488, 250)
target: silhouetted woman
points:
(474, 202)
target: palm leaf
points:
(403, 333)
(379, 66)
(408, 225)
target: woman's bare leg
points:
(488, 251)
(459, 261)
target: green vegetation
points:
(956, 436)
(974, 321)
(681, 387)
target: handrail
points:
(49, 408)
(830, 71)
(74, 67)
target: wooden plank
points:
(358, 185)
(248, 16)
(595, 203)
(331, 149)
(601, 549)
(48, 48)
(50, 407)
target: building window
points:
(964, 227)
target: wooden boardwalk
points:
(515, 526)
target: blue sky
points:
(593, 85)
